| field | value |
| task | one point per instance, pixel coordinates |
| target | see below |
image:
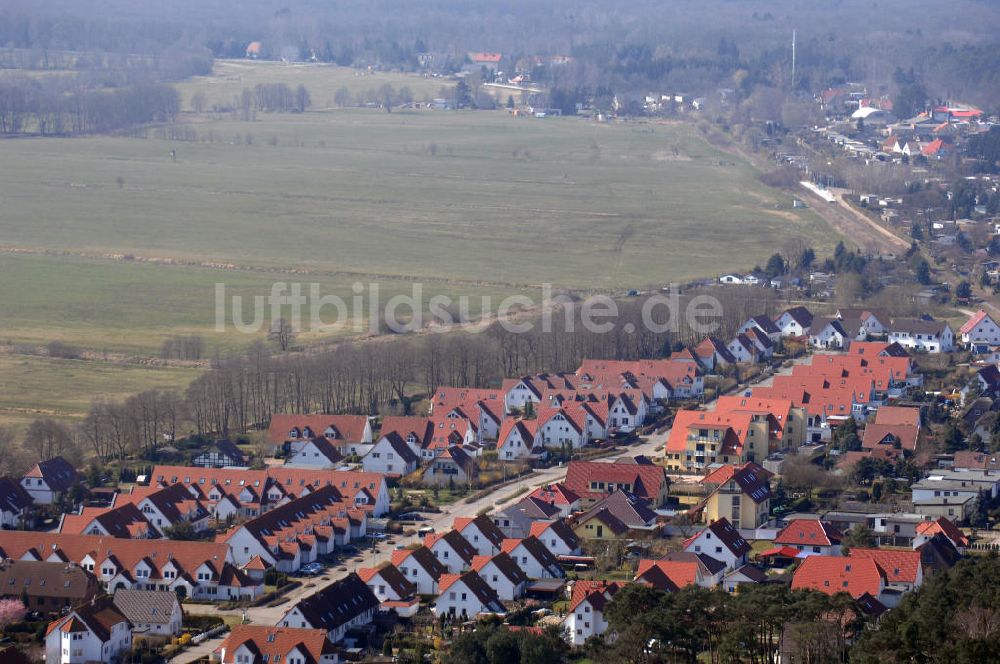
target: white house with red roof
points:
(903, 570)
(351, 433)
(721, 541)
(533, 558)
(264, 643)
(420, 567)
(465, 596)
(502, 574)
(93, 632)
(585, 617)
(557, 536)
(452, 550)
(562, 427)
(811, 536)
(794, 322)
(518, 439)
(928, 529)
(484, 535)
(392, 589)
(390, 455)
(980, 332)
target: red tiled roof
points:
(944, 526)
(808, 532)
(646, 480)
(875, 434)
(896, 415)
(834, 574)
(899, 566)
(349, 428)
(273, 643)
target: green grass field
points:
(230, 77)
(465, 196)
(32, 387)
(131, 307)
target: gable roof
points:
(808, 532)
(348, 428)
(533, 546)
(729, 536)
(645, 481)
(270, 642)
(504, 564)
(58, 474)
(391, 576)
(477, 586)
(897, 566)
(555, 494)
(765, 324)
(485, 526)
(679, 572)
(399, 446)
(596, 593)
(625, 506)
(834, 574)
(800, 315)
(946, 527)
(898, 415)
(125, 521)
(64, 581)
(875, 434)
(535, 508)
(421, 556)
(146, 606)
(99, 616)
(13, 497)
(974, 320)
(559, 528)
(338, 603)
(456, 541)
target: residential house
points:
(721, 541)
(484, 535)
(585, 614)
(745, 575)
(713, 354)
(885, 436)
(794, 322)
(465, 596)
(254, 644)
(969, 460)
(739, 494)
(15, 504)
(557, 536)
(153, 613)
(559, 428)
(391, 455)
(352, 434)
(516, 520)
(929, 336)
(828, 333)
(125, 520)
(669, 575)
(765, 325)
(558, 495)
(197, 569)
(502, 574)
(221, 453)
(485, 408)
(420, 567)
(344, 604)
(518, 439)
(594, 481)
(452, 550)
(392, 589)
(810, 535)
(980, 332)
(710, 570)
(744, 349)
(622, 514)
(166, 506)
(831, 574)
(48, 481)
(451, 466)
(929, 529)
(93, 632)
(902, 570)
(317, 452)
(533, 558)
(861, 324)
(297, 532)
(47, 587)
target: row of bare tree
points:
(383, 375)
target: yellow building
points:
(740, 494)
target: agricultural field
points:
(115, 243)
(468, 197)
(231, 77)
(33, 387)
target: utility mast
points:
(793, 59)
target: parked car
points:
(311, 569)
